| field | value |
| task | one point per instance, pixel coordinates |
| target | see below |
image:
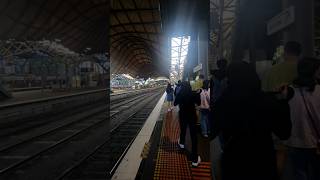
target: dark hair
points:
(186, 87)
(243, 79)
(222, 63)
(293, 48)
(201, 76)
(205, 84)
(307, 68)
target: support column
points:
(192, 60)
(203, 38)
(303, 28)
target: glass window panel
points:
(179, 52)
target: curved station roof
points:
(136, 36)
(77, 25)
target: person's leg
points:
(314, 165)
(203, 122)
(298, 164)
(169, 105)
(183, 129)
(209, 122)
(206, 116)
(194, 141)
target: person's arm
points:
(177, 100)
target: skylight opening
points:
(179, 52)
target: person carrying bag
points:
(303, 158)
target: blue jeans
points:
(302, 164)
(204, 121)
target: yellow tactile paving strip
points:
(172, 163)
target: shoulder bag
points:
(313, 123)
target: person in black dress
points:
(186, 99)
(245, 118)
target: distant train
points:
(124, 81)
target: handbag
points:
(313, 123)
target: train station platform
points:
(158, 155)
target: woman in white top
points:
(204, 108)
(303, 161)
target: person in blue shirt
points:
(169, 92)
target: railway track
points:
(34, 129)
(23, 159)
(25, 124)
(102, 162)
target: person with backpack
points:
(205, 108)
(245, 117)
(187, 99)
(303, 160)
(169, 91)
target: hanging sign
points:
(282, 20)
(197, 68)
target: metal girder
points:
(140, 42)
(152, 14)
(122, 33)
(125, 43)
(131, 62)
(125, 55)
(141, 45)
(71, 39)
(132, 56)
(133, 10)
(136, 38)
(120, 42)
(139, 16)
(136, 23)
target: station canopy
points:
(65, 28)
(136, 36)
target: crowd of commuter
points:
(268, 128)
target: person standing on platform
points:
(280, 75)
(303, 162)
(218, 80)
(284, 72)
(169, 92)
(205, 108)
(246, 117)
(218, 83)
(186, 99)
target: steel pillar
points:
(303, 28)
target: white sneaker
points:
(180, 145)
(206, 135)
(196, 164)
